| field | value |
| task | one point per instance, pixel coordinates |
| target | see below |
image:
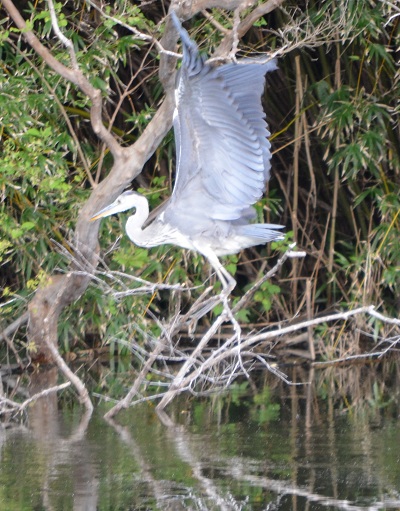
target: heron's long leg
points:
(227, 281)
(228, 284)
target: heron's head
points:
(125, 201)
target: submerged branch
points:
(57, 358)
(9, 406)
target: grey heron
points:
(222, 163)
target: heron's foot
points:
(238, 332)
(228, 285)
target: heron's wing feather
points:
(221, 136)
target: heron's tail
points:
(261, 233)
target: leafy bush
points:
(336, 114)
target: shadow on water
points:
(331, 444)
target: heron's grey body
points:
(222, 163)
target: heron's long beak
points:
(107, 211)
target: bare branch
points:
(214, 22)
(42, 394)
(10, 329)
(78, 384)
(244, 26)
(125, 402)
(305, 324)
(64, 71)
(199, 5)
(10, 406)
(242, 303)
(140, 35)
(66, 42)
(385, 319)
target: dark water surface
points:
(333, 444)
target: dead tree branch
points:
(10, 329)
(73, 75)
(8, 406)
(206, 371)
(75, 380)
(250, 342)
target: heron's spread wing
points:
(223, 154)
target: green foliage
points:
(37, 174)
(350, 101)
(351, 83)
(43, 180)
(359, 118)
(265, 294)
(265, 411)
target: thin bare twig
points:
(289, 254)
(14, 407)
(140, 35)
(125, 402)
(42, 394)
(10, 329)
(66, 42)
(71, 376)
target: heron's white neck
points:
(135, 222)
